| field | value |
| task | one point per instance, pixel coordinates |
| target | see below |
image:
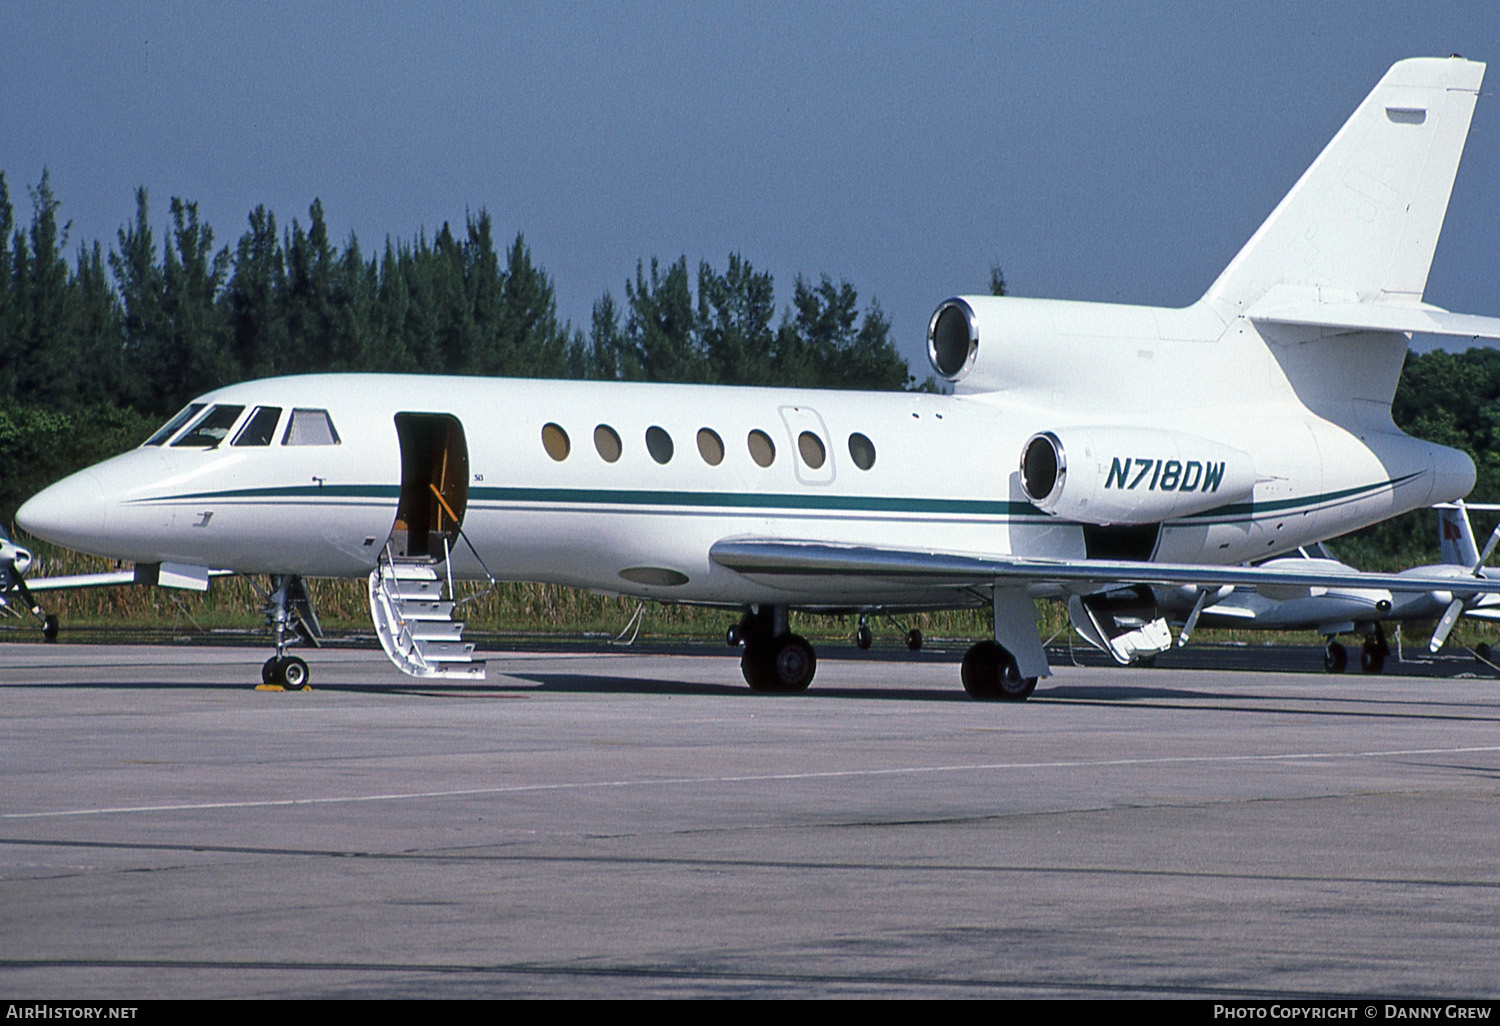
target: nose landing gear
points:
(289, 608)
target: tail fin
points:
(1455, 536)
(1362, 223)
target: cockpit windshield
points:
(174, 425)
(260, 428)
(211, 428)
(310, 427)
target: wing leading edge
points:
(767, 557)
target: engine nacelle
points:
(994, 343)
(1127, 475)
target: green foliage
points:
(97, 348)
(43, 444)
(724, 335)
(1452, 399)
(997, 280)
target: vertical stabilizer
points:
(1455, 537)
(1362, 223)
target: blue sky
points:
(1106, 151)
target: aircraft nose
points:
(69, 513)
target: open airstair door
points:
(434, 485)
(412, 614)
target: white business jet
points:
(1087, 447)
(1344, 610)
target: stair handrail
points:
(459, 527)
(401, 635)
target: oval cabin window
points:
(811, 447)
(555, 441)
(710, 447)
(659, 444)
(762, 449)
(861, 451)
(607, 442)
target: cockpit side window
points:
(211, 428)
(310, 427)
(175, 424)
(260, 429)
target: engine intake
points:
(1044, 467)
(953, 339)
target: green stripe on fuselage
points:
(799, 502)
(1251, 510)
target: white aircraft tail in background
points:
(1088, 447)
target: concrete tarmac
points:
(591, 824)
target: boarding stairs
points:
(414, 620)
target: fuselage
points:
(624, 487)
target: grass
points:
(540, 609)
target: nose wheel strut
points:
(290, 615)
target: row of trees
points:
(98, 345)
(148, 323)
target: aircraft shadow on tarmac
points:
(1206, 698)
(581, 683)
(1110, 687)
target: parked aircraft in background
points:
(15, 596)
(1361, 610)
(1087, 446)
(17, 590)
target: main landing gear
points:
(990, 673)
(289, 608)
(1371, 655)
(775, 659)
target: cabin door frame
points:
(434, 462)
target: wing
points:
(69, 581)
(767, 557)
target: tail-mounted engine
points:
(1103, 475)
(953, 338)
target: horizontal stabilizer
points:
(1426, 320)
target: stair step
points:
(463, 671)
(418, 609)
(415, 589)
(444, 651)
(410, 571)
(435, 630)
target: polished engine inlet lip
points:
(953, 339)
(1044, 468)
